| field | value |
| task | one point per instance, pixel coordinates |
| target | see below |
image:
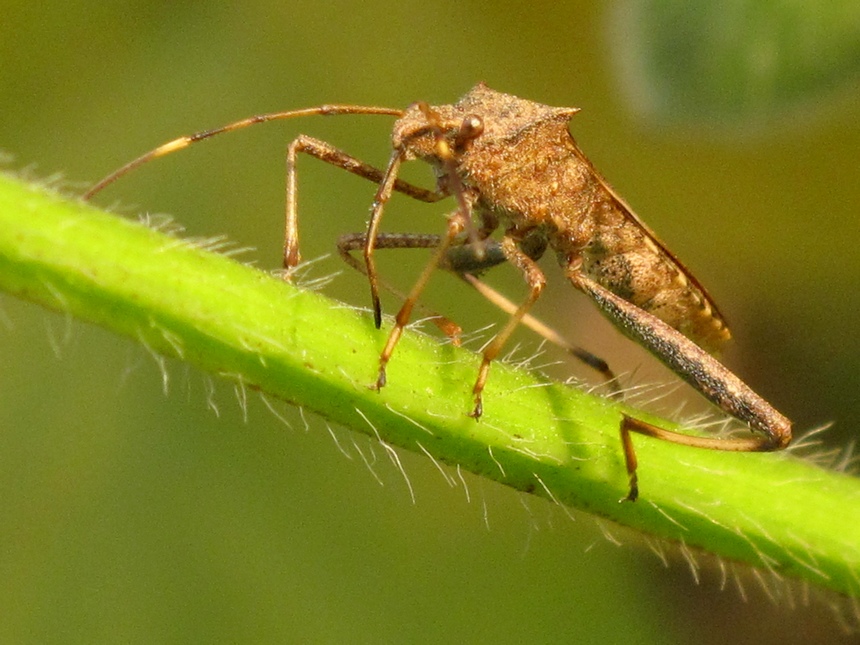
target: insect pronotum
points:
(512, 165)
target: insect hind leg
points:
(632, 424)
(698, 368)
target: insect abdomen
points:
(625, 260)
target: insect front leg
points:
(456, 225)
(331, 155)
(698, 368)
(350, 242)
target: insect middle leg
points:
(513, 254)
(456, 225)
(466, 264)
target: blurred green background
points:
(131, 516)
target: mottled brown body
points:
(511, 164)
(526, 173)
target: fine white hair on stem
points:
(609, 535)
(159, 360)
(392, 453)
(485, 511)
(687, 553)
(241, 393)
(448, 479)
(275, 413)
(553, 498)
(209, 387)
(58, 344)
(337, 443)
(465, 485)
(369, 463)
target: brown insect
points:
(511, 164)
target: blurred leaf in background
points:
(755, 96)
(738, 64)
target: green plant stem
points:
(769, 510)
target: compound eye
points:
(471, 128)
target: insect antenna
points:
(184, 142)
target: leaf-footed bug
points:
(511, 164)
